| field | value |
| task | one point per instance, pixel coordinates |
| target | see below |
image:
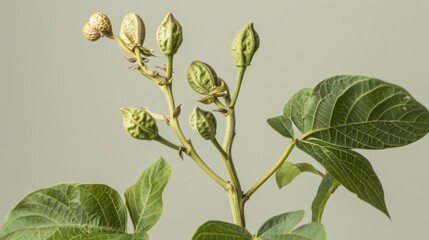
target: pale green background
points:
(60, 95)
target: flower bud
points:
(244, 46)
(169, 35)
(102, 23)
(132, 30)
(90, 32)
(201, 77)
(203, 123)
(138, 123)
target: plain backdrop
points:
(60, 95)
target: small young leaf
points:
(294, 108)
(326, 189)
(289, 171)
(144, 198)
(66, 209)
(350, 169)
(285, 222)
(282, 125)
(217, 230)
(282, 227)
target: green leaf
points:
(282, 125)
(326, 188)
(350, 169)
(288, 171)
(282, 227)
(217, 230)
(144, 198)
(68, 208)
(358, 112)
(285, 222)
(294, 108)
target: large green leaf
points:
(66, 209)
(217, 230)
(282, 227)
(358, 112)
(326, 188)
(350, 169)
(288, 171)
(144, 198)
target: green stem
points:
(167, 143)
(271, 171)
(174, 124)
(235, 192)
(219, 148)
(152, 75)
(169, 68)
(240, 75)
(189, 149)
(237, 205)
(123, 46)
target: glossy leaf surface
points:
(144, 198)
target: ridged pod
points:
(169, 35)
(244, 45)
(132, 30)
(201, 77)
(203, 123)
(102, 23)
(90, 32)
(139, 124)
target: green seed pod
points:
(138, 123)
(102, 23)
(132, 31)
(201, 77)
(169, 35)
(203, 123)
(90, 32)
(244, 46)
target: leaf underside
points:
(350, 169)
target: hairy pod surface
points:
(203, 123)
(90, 32)
(132, 30)
(169, 35)
(102, 23)
(139, 124)
(201, 77)
(244, 46)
